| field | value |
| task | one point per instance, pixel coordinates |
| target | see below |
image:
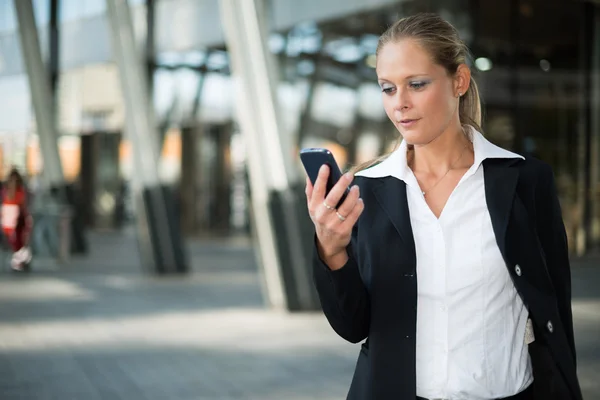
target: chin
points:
(415, 138)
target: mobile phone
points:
(313, 158)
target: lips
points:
(408, 123)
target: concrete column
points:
(279, 210)
(595, 129)
(159, 235)
(39, 86)
(54, 61)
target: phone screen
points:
(313, 159)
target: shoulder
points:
(536, 180)
(370, 183)
(535, 171)
(535, 177)
(365, 184)
(531, 169)
(370, 188)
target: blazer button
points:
(550, 327)
(518, 270)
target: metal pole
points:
(157, 229)
(250, 127)
(514, 75)
(41, 97)
(277, 222)
(150, 58)
(54, 53)
(587, 38)
(595, 128)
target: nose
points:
(401, 103)
(402, 100)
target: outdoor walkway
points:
(101, 328)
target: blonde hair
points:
(438, 37)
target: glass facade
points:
(537, 64)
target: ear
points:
(462, 80)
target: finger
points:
(346, 207)
(309, 189)
(318, 194)
(353, 216)
(323, 216)
(338, 189)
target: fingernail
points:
(322, 169)
(348, 176)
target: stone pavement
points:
(100, 328)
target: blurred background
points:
(159, 138)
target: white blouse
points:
(470, 319)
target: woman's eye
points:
(387, 89)
(418, 85)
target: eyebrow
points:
(382, 80)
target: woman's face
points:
(12, 182)
(419, 96)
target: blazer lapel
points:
(500, 186)
(391, 195)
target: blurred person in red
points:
(16, 220)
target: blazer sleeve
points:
(343, 295)
(553, 238)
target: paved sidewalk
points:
(100, 329)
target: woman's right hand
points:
(333, 227)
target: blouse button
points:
(550, 326)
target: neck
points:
(448, 151)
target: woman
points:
(449, 256)
(16, 221)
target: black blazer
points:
(374, 296)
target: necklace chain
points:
(448, 171)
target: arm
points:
(553, 238)
(343, 295)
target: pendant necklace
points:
(449, 169)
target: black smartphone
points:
(313, 159)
